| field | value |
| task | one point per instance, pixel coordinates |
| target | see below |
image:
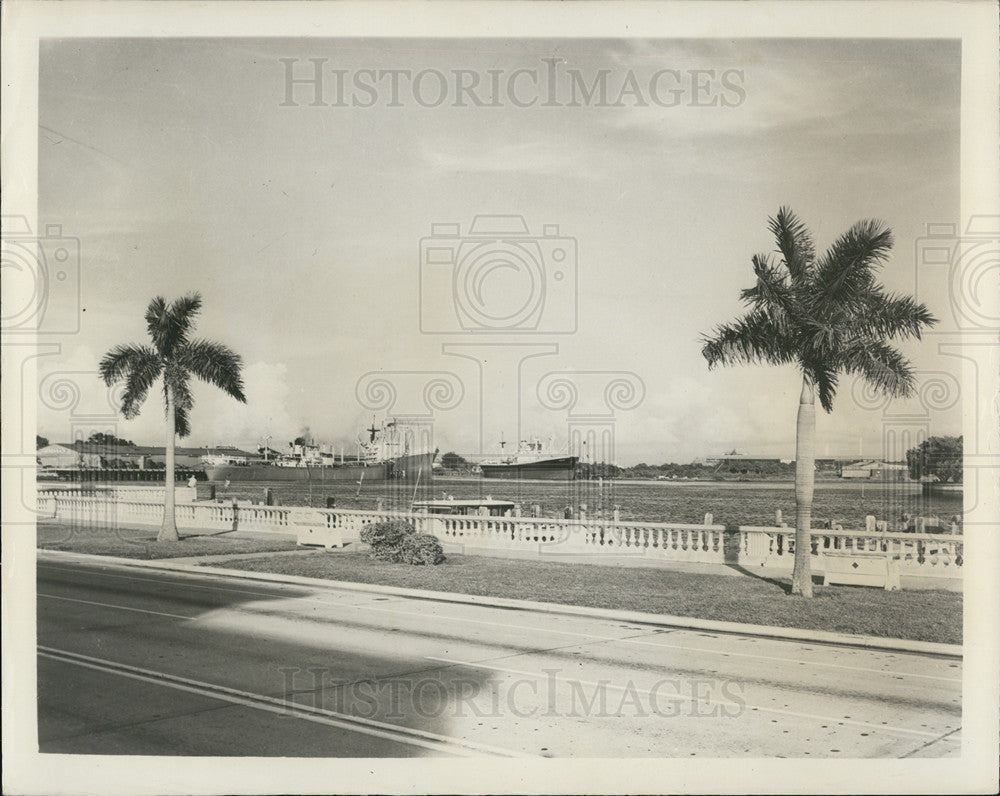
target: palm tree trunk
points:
(168, 531)
(805, 463)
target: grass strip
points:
(920, 615)
(142, 544)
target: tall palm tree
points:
(826, 315)
(176, 358)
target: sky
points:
(328, 228)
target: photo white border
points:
(25, 22)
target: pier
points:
(109, 475)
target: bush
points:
(397, 542)
(422, 548)
(386, 539)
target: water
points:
(729, 503)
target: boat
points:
(530, 462)
(488, 507)
(386, 453)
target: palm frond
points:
(176, 358)
(214, 363)
(185, 309)
(883, 315)
(794, 242)
(177, 381)
(168, 327)
(155, 313)
(823, 375)
(771, 293)
(140, 380)
(831, 316)
(881, 365)
(847, 270)
(138, 366)
(182, 425)
(122, 359)
(753, 338)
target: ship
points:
(385, 453)
(530, 462)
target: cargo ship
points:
(387, 453)
(530, 462)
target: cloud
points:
(218, 419)
(527, 157)
(73, 402)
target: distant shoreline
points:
(908, 487)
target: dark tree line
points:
(936, 457)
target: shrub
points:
(386, 539)
(422, 548)
(397, 542)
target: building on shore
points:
(141, 457)
(875, 470)
(734, 462)
(61, 456)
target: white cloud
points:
(530, 157)
(73, 401)
(218, 419)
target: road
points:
(138, 661)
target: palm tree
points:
(826, 315)
(176, 358)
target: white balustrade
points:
(182, 494)
(916, 553)
(931, 554)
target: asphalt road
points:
(134, 661)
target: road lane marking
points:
(118, 607)
(760, 708)
(393, 732)
(624, 640)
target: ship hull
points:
(558, 469)
(407, 469)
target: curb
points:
(655, 620)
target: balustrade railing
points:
(933, 554)
(542, 535)
(182, 494)
(556, 536)
(924, 553)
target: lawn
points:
(917, 615)
(135, 543)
